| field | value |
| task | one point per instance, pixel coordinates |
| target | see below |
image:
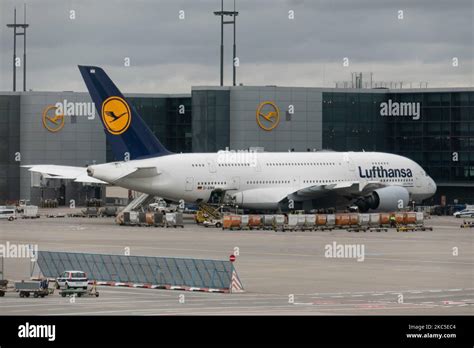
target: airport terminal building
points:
(434, 127)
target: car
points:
(8, 213)
(72, 280)
(464, 213)
(214, 223)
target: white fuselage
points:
(263, 176)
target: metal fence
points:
(139, 269)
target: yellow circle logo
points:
(268, 115)
(52, 122)
(116, 115)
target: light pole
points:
(232, 14)
(15, 34)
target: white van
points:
(8, 213)
(466, 213)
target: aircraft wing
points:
(78, 174)
(345, 189)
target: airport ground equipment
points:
(267, 222)
(213, 223)
(90, 212)
(108, 211)
(158, 219)
(142, 218)
(309, 222)
(206, 212)
(3, 287)
(330, 221)
(30, 212)
(171, 273)
(36, 288)
(92, 291)
(231, 222)
(292, 223)
(378, 229)
(279, 221)
(174, 219)
(134, 205)
(255, 222)
(244, 222)
(412, 228)
(467, 224)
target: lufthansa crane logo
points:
(116, 115)
(268, 115)
(51, 120)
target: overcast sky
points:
(169, 55)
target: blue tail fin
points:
(125, 130)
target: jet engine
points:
(384, 199)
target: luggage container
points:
(174, 220)
(384, 219)
(400, 218)
(158, 220)
(244, 222)
(353, 219)
(321, 219)
(279, 222)
(30, 212)
(292, 222)
(358, 223)
(410, 218)
(150, 219)
(126, 218)
(420, 218)
(310, 222)
(142, 218)
(231, 222)
(330, 221)
(343, 220)
(268, 222)
(301, 221)
(364, 220)
(374, 220)
(134, 218)
(255, 222)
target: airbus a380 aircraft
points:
(255, 181)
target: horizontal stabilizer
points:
(78, 174)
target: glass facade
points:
(169, 118)
(211, 120)
(170, 271)
(9, 147)
(441, 140)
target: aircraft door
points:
(236, 183)
(349, 161)
(418, 179)
(211, 165)
(189, 183)
(296, 182)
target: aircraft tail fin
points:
(127, 133)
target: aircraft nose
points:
(433, 186)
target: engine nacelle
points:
(384, 199)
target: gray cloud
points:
(171, 55)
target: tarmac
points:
(405, 273)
